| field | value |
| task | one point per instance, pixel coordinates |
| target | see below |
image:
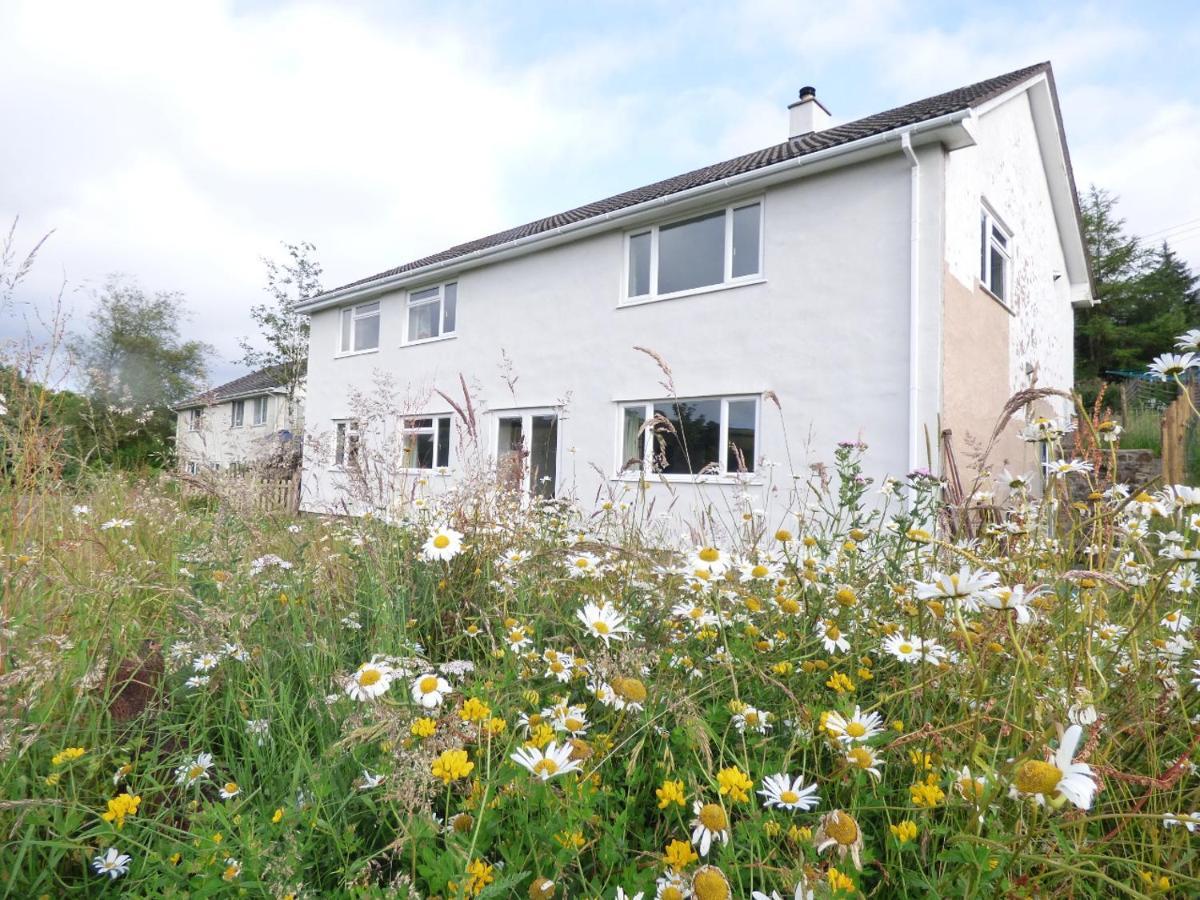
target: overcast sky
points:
(181, 142)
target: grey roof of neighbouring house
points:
(261, 382)
(910, 114)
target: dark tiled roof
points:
(900, 117)
(261, 381)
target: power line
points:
(1192, 223)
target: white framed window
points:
(425, 442)
(195, 419)
(710, 436)
(359, 328)
(995, 254)
(346, 443)
(192, 467)
(702, 252)
(237, 413)
(258, 410)
(432, 313)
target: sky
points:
(179, 143)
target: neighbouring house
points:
(245, 423)
(893, 279)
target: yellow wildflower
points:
(423, 727)
(68, 755)
(927, 793)
(735, 783)
(838, 881)
(452, 765)
(841, 683)
(680, 855)
(904, 831)
(278, 816)
(670, 792)
(474, 711)
(119, 807)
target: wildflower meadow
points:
(486, 696)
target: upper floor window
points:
(359, 328)
(425, 443)
(703, 436)
(195, 419)
(995, 254)
(259, 410)
(237, 416)
(432, 311)
(716, 248)
(346, 443)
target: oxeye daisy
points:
(711, 823)
(583, 565)
(1060, 775)
(371, 680)
(229, 790)
(695, 614)
(970, 787)
(194, 770)
(832, 638)
(603, 621)
(430, 690)
(753, 719)
(858, 728)
(444, 543)
(711, 559)
(865, 759)
(548, 762)
(112, 863)
(205, 662)
(904, 648)
(784, 792)
(558, 665)
(1171, 365)
(759, 571)
(840, 831)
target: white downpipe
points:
(914, 303)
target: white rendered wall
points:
(826, 332)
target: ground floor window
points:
(346, 443)
(425, 443)
(697, 436)
(192, 467)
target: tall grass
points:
(147, 628)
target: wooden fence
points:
(258, 491)
(1176, 420)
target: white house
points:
(242, 423)
(892, 279)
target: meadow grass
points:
(259, 705)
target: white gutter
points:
(775, 172)
(914, 303)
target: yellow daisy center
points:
(231, 787)
(670, 892)
(629, 689)
(601, 626)
(789, 796)
(441, 541)
(368, 677)
(428, 684)
(905, 648)
(1037, 777)
(582, 563)
(710, 884)
(573, 724)
(861, 757)
(759, 571)
(548, 766)
(751, 718)
(856, 729)
(710, 554)
(713, 817)
(842, 828)
(195, 772)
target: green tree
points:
(1147, 296)
(281, 327)
(135, 365)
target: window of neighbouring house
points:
(359, 328)
(259, 410)
(995, 254)
(237, 413)
(195, 419)
(432, 312)
(716, 248)
(425, 443)
(193, 467)
(701, 436)
(346, 443)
